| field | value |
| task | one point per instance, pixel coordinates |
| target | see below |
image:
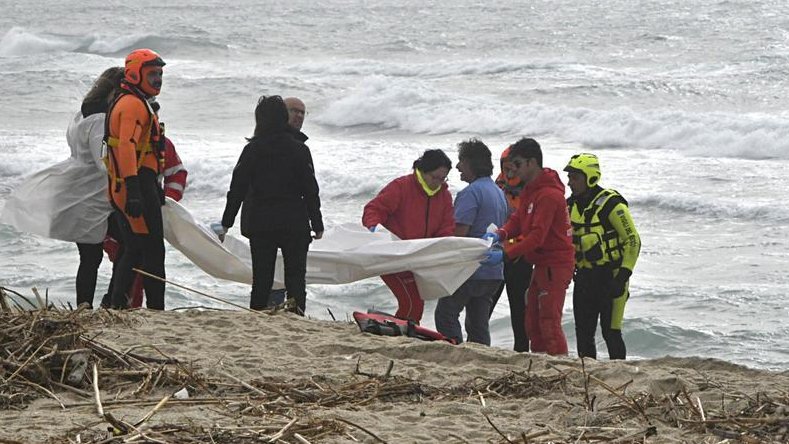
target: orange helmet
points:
(505, 154)
(135, 62)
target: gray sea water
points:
(684, 101)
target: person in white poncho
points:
(68, 201)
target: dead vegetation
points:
(50, 352)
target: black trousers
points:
(294, 246)
(517, 276)
(90, 256)
(591, 301)
(144, 251)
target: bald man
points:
(296, 113)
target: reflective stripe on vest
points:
(595, 240)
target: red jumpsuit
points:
(544, 224)
(405, 209)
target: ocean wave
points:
(438, 69)
(411, 106)
(651, 337)
(209, 178)
(551, 76)
(22, 42)
(715, 208)
(17, 42)
(340, 185)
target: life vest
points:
(149, 152)
(512, 188)
(596, 242)
(152, 145)
(387, 325)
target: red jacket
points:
(543, 220)
(404, 208)
(174, 172)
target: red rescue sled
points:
(387, 325)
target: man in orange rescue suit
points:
(135, 151)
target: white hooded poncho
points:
(67, 201)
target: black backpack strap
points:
(608, 207)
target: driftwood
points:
(49, 351)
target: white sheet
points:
(347, 253)
(66, 201)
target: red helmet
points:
(135, 62)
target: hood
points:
(79, 128)
(548, 179)
(84, 136)
(300, 136)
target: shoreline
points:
(249, 375)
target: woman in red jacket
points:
(415, 206)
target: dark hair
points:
(478, 155)
(271, 116)
(432, 160)
(527, 149)
(97, 99)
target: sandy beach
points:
(258, 377)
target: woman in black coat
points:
(274, 179)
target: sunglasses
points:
(517, 163)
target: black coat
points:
(275, 180)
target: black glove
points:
(133, 197)
(618, 283)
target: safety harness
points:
(595, 239)
(155, 141)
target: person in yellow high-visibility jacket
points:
(606, 250)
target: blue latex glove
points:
(494, 256)
(372, 229)
(220, 231)
(493, 236)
